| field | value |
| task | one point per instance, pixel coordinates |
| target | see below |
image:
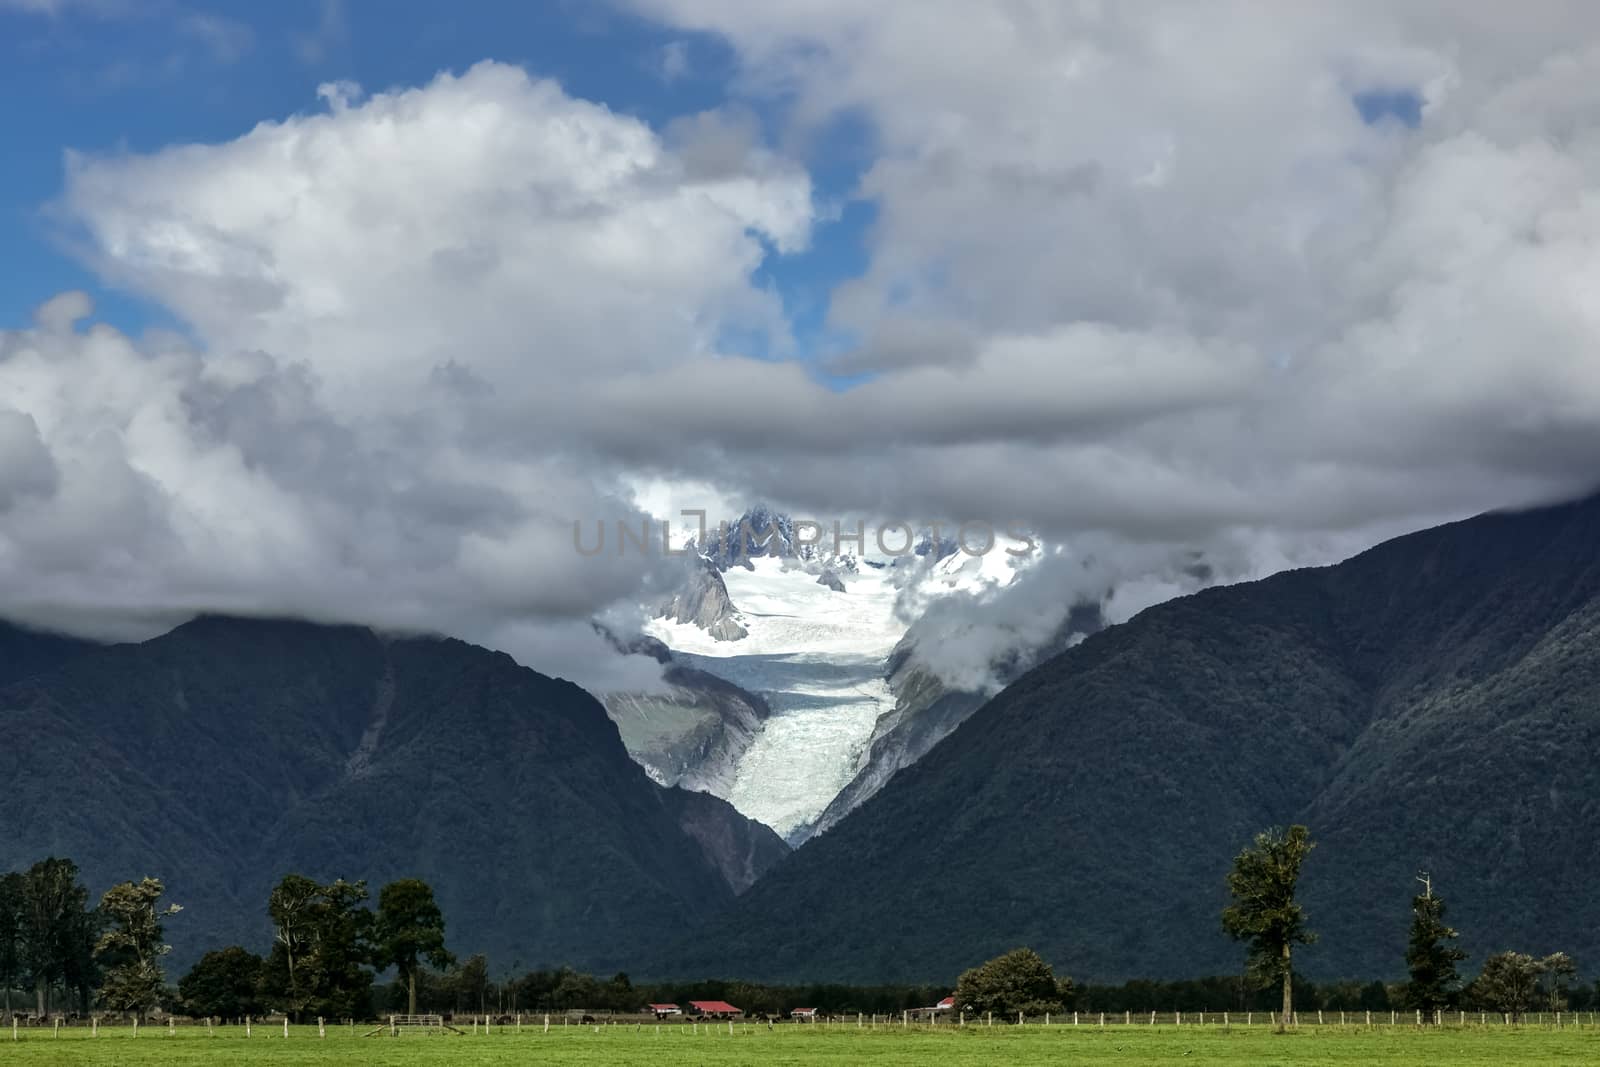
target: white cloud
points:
(1285, 318)
(393, 305)
(1138, 273)
(675, 60)
(332, 30)
(227, 40)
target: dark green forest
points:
(336, 953)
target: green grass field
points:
(756, 1044)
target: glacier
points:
(820, 658)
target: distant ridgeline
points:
(1433, 703)
(231, 751)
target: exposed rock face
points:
(742, 850)
(693, 734)
(830, 577)
(703, 601)
(758, 532)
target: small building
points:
(805, 1015)
(947, 1004)
(714, 1009)
(661, 1011)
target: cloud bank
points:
(1150, 276)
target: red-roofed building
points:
(714, 1009)
(804, 1014)
(663, 1010)
(947, 1004)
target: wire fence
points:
(907, 1020)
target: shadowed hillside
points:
(1433, 703)
(230, 752)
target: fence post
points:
(963, 1018)
(135, 1026)
(1127, 1017)
(393, 1032)
(1249, 1018)
(1369, 1017)
(1419, 1016)
(1152, 1018)
(1074, 1018)
(286, 1028)
(322, 1028)
(1319, 1016)
(1224, 1020)
(247, 1026)
(1177, 1018)
(547, 1022)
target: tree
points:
(409, 928)
(53, 903)
(472, 982)
(223, 984)
(1019, 981)
(319, 948)
(80, 968)
(1557, 972)
(289, 906)
(1430, 955)
(1264, 912)
(132, 948)
(11, 931)
(1508, 983)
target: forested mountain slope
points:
(229, 752)
(1433, 703)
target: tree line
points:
(329, 946)
(53, 942)
(1267, 917)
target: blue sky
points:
(105, 76)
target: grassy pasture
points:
(755, 1044)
